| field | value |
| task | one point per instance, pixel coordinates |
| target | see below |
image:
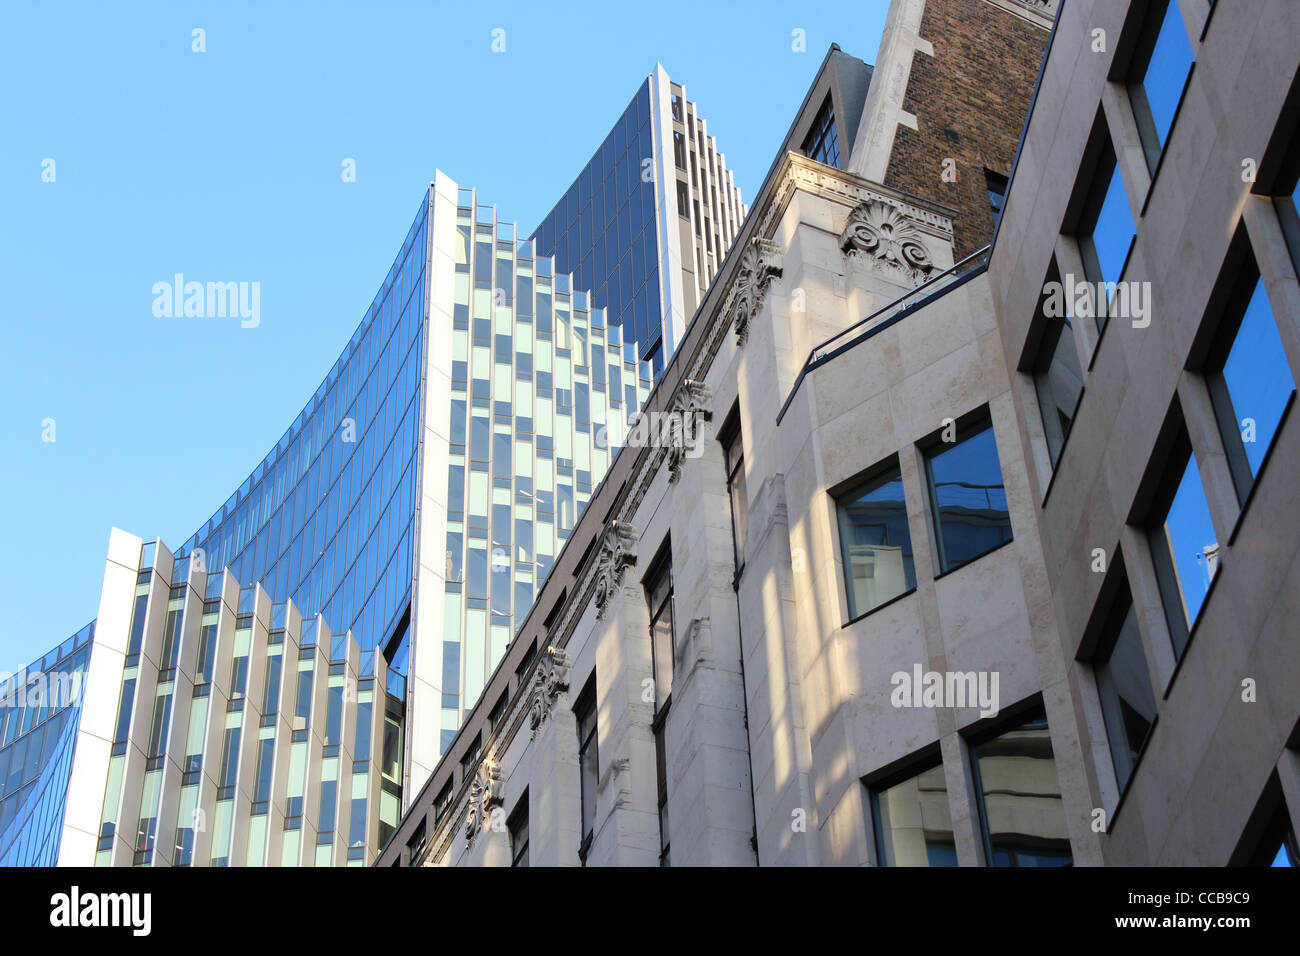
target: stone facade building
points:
(879, 584)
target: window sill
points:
(1192, 631)
(879, 607)
(1132, 776)
(972, 560)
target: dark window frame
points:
(517, 824)
(586, 718)
(733, 462)
(886, 469)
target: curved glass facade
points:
(603, 230)
(39, 712)
(325, 519)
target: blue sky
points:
(225, 166)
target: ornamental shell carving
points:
(692, 402)
(884, 234)
(617, 552)
(759, 264)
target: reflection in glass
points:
(875, 543)
(1156, 96)
(1251, 390)
(1128, 704)
(1185, 551)
(1021, 815)
(1059, 383)
(912, 822)
(968, 498)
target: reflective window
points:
(913, 825)
(1022, 819)
(661, 787)
(1128, 704)
(659, 600)
(733, 451)
(1160, 72)
(1184, 547)
(1107, 230)
(588, 761)
(517, 825)
(1058, 380)
(967, 497)
(875, 544)
(997, 190)
(822, 143)
(1250, 382)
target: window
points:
(912, 821)
(442, 803)
(821, 143)
(1249, 379)
(1022, 819)
(1159, 73)
(874, 542)
(588, 761)
(997, 188)
(733, 452)
(679, 149)
(968, 500)
(1128, 704)
(661, 787)
(416, 843)
(1058, 377)
(517, 824)
(683, 200)
(659, 599)
(1106, 229)
(498, 711)
(469, 762)
(1184, 547)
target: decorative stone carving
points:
(891, 240)
(617, 552)
(552, 679)
(759, 264)
(692, 401)
(486, 792)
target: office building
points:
(384, 551)
(647, 221)
(982, 560)
(710, 674)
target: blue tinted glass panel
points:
(968, 497)
(1166, 74)
(1258, 379)
(1188, 539)
(1114, 231)
(875, 544)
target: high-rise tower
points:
(267, 692)
(646, 223)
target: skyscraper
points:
(268, 691)
(648, 254)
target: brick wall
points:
(970, 100)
